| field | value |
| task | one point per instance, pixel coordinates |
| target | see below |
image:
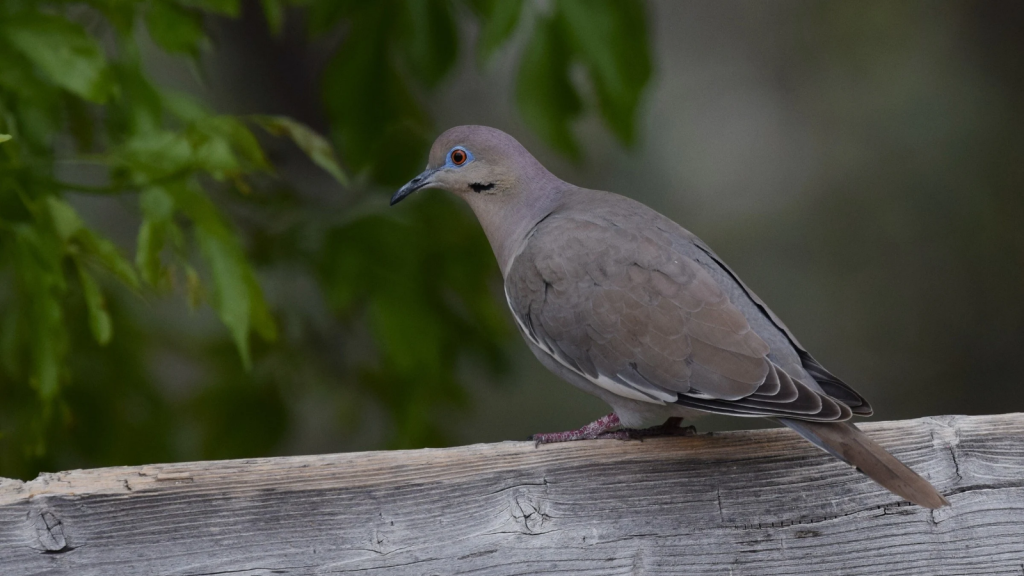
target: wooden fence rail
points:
(760, 502)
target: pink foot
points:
(609, 427)
(603, 427)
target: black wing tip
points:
(799, 407)
(834, 387)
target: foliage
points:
(90, 348)
(609, 38)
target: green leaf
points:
(39, 104)
(214, 155)
(225, 147)
(545, 95)
(219, 145)
(262, 319)
(99, 319)
(107, 254)
(48, 335)
(498, 19)
(273, 11)
(156, 203)
(20, 75)
(157, 209)
(429, 38)
(314, 145)
(5, 138)
(66, 221)
(41, 254)
(151, 240)
(237, 296)
(175, 29)
(610, 37)
(40, 283)
(156, 155)
(64, 51)
(70, 228)
(230, 293)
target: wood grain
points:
(760, 502)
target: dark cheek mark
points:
(477, 187)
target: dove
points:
(625, 304)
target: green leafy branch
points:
(160, 145)
(398, 47)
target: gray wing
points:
(829, 384)
(646, 322)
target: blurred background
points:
(197, 259)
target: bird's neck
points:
(508, 222)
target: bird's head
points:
(477, 163)
(506, 187)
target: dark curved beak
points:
(413, 185)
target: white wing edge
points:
(602, 381)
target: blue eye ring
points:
(459, 156)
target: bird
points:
(624, 303)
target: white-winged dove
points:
(625, 304)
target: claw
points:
(593, 431)
(608, 428)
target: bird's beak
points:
(421, 181)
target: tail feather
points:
(846, 442)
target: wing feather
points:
(643, 321)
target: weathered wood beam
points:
(760, 502)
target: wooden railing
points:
(760, 502)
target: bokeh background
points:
(188, 271)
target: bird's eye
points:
(459, 157)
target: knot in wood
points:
(529, 513)
(49, 531)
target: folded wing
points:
(645, 322)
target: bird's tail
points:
(846, 442)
